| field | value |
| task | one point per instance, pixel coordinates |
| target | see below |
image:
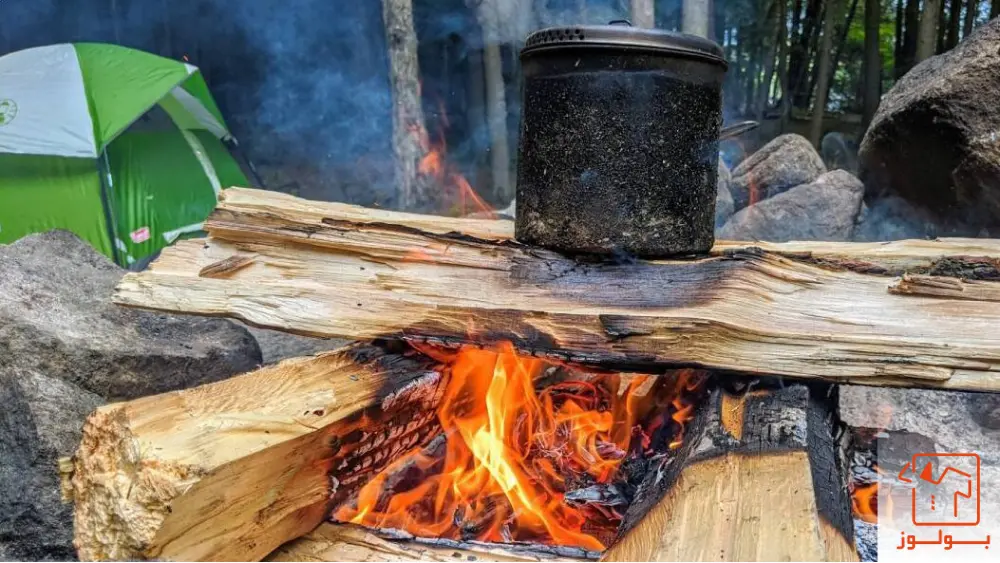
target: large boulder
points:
(276, 345)
(782, 164)
(822, 210)
(723, 198)
(935, 139)
(64, 350)
(40, 422)
(56, 318)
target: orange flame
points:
(455, 190)
(512, 453)
(864, 501)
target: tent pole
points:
(104, 172)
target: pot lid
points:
(621, 34)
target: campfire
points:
(512, 402)
(516, 464)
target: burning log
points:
(332, 542)
(802, 310)
(232, 470)
(761, 482)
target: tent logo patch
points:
(8, 111)
(139, 235)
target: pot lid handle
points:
(620, 22)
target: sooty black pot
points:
(619, 141)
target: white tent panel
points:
(43, 104)
(199, 112)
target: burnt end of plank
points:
(762, 417)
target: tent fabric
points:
(196, 86)
(226, 168)
(122, 84)
(43, 104)
(85, 146)
(41, 193)
(189, 113)
(159, 186)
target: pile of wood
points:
(235, 469)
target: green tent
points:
(126, 149)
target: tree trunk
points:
(802, 54)
(994, 9)
(255, 450)
(814, 56)
(327, 269)
(408, 127)
(770, 59)
(841, 42)
(496, 102)
(114, 22)
(897, 51)
(927, 35)
(695, 17)
(911, 21)
(971, 11)
(873, 62)
(478, 120)
(954, 24)
(783, 48)
(643, 14)
(824, 72)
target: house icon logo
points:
(945, 489)
(8, 111)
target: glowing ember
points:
(511, 453)
(864, 501)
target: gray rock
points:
(787, 161)
(913, 421)
(276, 345)
(56, 318)
(41, 420)
(935, 139)
(723, 199)
(822, 210)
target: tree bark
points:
(770, 59)
(911, 21)
(695, 17)
(231, 470)
(841, 42)
(802, 54)
(897, 51)
(783, 48)
(971, 11)
(643, 14)
(496, 102)
(798, 310)
(954, 24)
(408, 126)
(927, 35)
(873, 62)
(824, 72)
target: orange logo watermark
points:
(944, 492)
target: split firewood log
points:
(234, 469)
(806, 310)
(761, 481)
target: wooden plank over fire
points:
(232, 470)
(799, 310)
